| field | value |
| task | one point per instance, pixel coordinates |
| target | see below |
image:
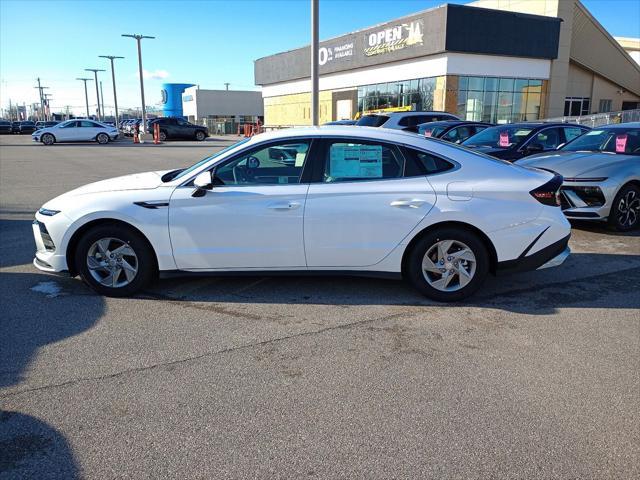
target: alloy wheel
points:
(629, 209)
(112, 262)
(449, 265)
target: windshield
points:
(431, 131)
(503, 136)
(195, 166)
(372, 120)
(613, 140)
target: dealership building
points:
(491, 60)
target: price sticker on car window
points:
(504, 139)
(621, 143)
(427, 133)
(355, 161)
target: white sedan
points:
(78, 130)
(355, 200)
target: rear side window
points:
(347, 161)
(424, 163)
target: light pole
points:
(86, 96)
(102, 99)
(113, 79)
(144, 111)
(314, 62)
(95, 74)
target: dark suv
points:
(173, 128)
(26, 127)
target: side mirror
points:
(202, 182)
(535, 148)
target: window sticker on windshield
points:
(594, 132)
(300, 159)
(504, 139)
(521, 133)
(355, 161)
(621, 143)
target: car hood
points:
(576, 164)
(136, 181)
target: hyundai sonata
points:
(354, 200)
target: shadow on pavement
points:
(17, 246)
(540, 292)
(29, 448)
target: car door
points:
(252, 218)
(184, 129)
(87, 130)
(66, 131)
(368, 197)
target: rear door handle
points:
(285, 206)
(413, 203)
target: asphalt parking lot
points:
(536, 377)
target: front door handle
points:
(413, 203)
(285, 206)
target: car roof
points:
(353, 131)
(619, 125)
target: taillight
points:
(548, 194)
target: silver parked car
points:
(601, 171)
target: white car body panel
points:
(349, 226)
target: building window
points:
(576, 106)
(605, 106)
(402, 95)
(499, 100)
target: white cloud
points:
(156, 74)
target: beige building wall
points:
(295, 109)
(580, 82)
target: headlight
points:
(48, 212)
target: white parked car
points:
(78, 130)
(355, 200)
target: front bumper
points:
(48, 256)
(576, 208)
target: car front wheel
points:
(200, 135)
(115, 260)
(625, 210)
(48, 139)
(448, 264)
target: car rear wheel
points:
(163, 135)
(200, 135)
(448, 264)
(115, 260)
(48, 139)
(102, 138)
(625, 210)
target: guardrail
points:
(599, 119)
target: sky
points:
(204, 42)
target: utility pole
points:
(314, 62)
(86, 96)
(102, 99)
(144, 111)
(41, 94)
(226, 85)
(95, 74)
(113, 79)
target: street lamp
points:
(113, 79)
(95, 74)
(315, 74)
(86, 96)
(144, 111)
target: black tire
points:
(48, 139)
(200, 135)
(146, 262)
(102, 138)
(163, 136)
(625, 209)
(414, 271)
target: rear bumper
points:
(549, 256)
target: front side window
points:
(69, 124)
(549, 138)
(458, 134)
(361, 161)
(275, 164)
